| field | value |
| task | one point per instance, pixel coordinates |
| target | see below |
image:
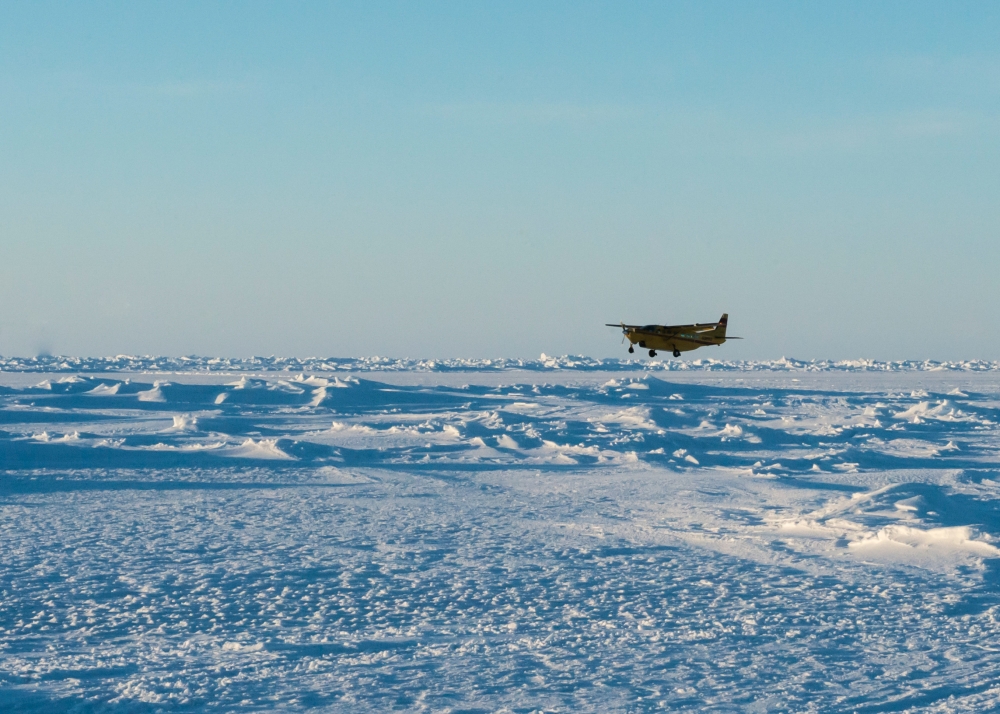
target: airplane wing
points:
(678, 330)
(697, 327)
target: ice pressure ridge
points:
(135, 363)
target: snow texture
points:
(565, 535)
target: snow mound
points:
(155, 394)
(185, 422)
(942, 411)
(260, 449)
(896, 539)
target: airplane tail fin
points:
(720, 327)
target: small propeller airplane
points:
(675, 338)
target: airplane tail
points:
(720, 329)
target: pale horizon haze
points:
(499, 179)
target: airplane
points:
(675, 338)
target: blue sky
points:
(487, 179)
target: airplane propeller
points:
(625, 334)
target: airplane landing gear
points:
(652, 353)
(631, 349)
(677, 353)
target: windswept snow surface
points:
(566, 535)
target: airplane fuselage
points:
(654, 337)
(675, 338)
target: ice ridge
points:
(189, 364)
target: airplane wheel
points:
(652, 353)
(677, 353)
(631, 349)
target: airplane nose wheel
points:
(677, 353)
(631, 349)
(652, 353)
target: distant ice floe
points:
(193, 364)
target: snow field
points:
(625, 543)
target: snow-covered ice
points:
(563, 534)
